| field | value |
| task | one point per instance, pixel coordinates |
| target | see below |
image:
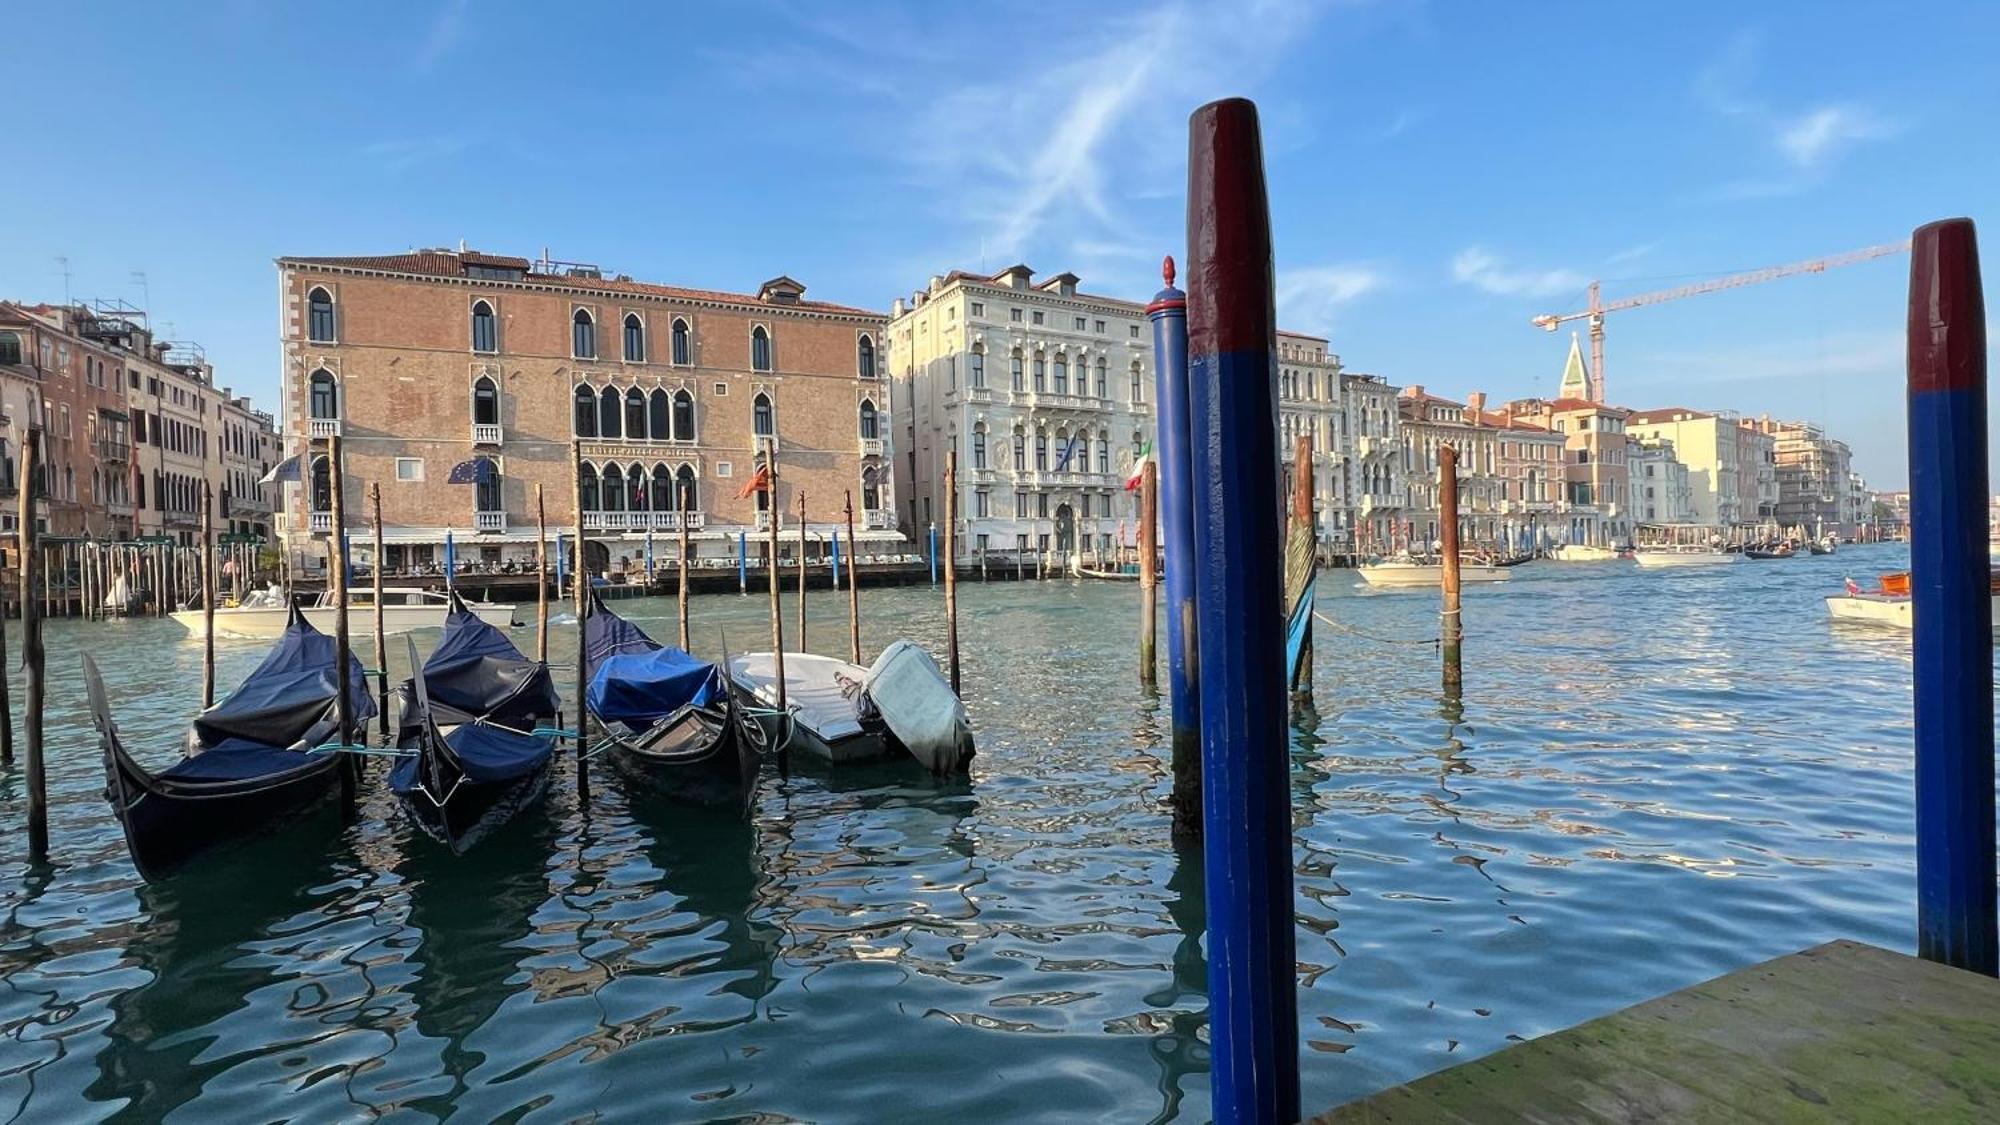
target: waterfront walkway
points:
(1840, 1032)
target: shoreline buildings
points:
(458, 381)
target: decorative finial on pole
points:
(1167, 270)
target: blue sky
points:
(1439, 172)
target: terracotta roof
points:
(446, 263)
(1567, 404)
(1665, 414)
(1509, 422)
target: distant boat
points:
(1682, 556)
(1889, 603)
(403, 608)
(1584, 552)
(1778, 551)
(1405, 573)
(249, 764)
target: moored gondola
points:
(478, 719)
(673, 726)
(250, 763)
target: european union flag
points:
(479, 470)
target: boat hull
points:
(472, 810)
(1581, 552)
(268, 623)
(1658, 560)
(701, 756)
(167, 824)
(826, 721)
(1403, 577)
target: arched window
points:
(760, 349)
(1062, 374)
(1081, 462)
(1041, 451)
(1138, 442)
(979, 445)
(868, 427)
(1138, 393)
(635, 339)
(486, 487)
(1103, 451)
(683, 415)
(635, 414)
(763, 422)
(587, 487)
(485, 328)
(10, 347)
(977, 370)
(1018, 384)
(610, 413)
(613, 497)
(322, 486)
(871, 490)
(659, 414)
(323, 397)
(687, 491)
(586, 411)
(682, 348)
(1041, 373)
(583, 335)
(1020, 449)
(864, 358)
(319, 316)
(635, 488)
(1103, 371)
(485, 402)
(663, 489)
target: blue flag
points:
(450, 562)
(479, 470)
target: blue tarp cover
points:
(287, 695)
(477, 671)
(641, 688)
(485, 754)
(237, 761)
(605, 635)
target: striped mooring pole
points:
(1246, 795)
(1949, 583)
(1168, 313)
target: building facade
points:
(1661, 493)
(1812, 472)
(1372, 478)
(1596, 480)
(439, 366)
(1309, 405)
(1045, 393)
(1428, 423)
(1531, 471)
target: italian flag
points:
(1139, 467)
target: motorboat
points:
(1407, 572)
(251, 763)
(1771, 551)
(1685, 555)
(1584, 552)
(265, 613)
(839, 712)
(1889, 603)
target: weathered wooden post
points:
(853, 587)
(6, 692)
(951, 563)
(31, 645)
(582, 569)
(1168, 312)
(381, 639)
(541, 578)
(771, 510)
(342, 646)
(1246, 794)
(1149, 579)
(1953, 639)
(160, 579)
(1451, 626)
(207, 597)
(743, 563)
(687, 509)
(802, 570)
(1301, 558)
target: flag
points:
(1069, 450)
(450, 562)
(759, 481)
(479, 470)
(1853, 587)
(284, 472)
(1139, 467)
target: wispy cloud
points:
(447, 29)
(404, 154)
(1481, 268)
(1309, 297)
(1403, 122)
(1812, 139)
(1631, 254)
(1804, 143)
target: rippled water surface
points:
(1651, 778)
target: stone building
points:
(1596, 488)
(1044, 391)
(1812, 474)
(63, 368)
(1371, 444)
(1427, 423)
(1529, 464)
(1310, 405)
(1661, 493)
(439, 365)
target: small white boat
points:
(1405, 573)
(1872, 609)
(404, 608)
(832, 717)
(1655, 557)
(922, 711)
(1583, 552)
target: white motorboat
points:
(1408, 573)
(404, 608)
(1892, 610)
(1654, 557)
(841, 712)
(1583, 552)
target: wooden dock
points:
(1840, 1032)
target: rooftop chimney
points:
(1476, 402)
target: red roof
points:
(446, 263)
(1666, 414)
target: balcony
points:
(489, 521)
(763, 521)
(317, 428)
(484, 434)
(612, 521)
(979, 394)
(876, 520)
(1057, 401)
(109, 449)
(871, 447)
(322, 523)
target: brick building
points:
(434, 360)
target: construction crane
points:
(1595, 312)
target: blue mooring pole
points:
(1949, 576)
(1240, 618)
(836, 558)
(1170, 380)
(933, 554)
(742, 562)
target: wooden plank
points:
(1839, 1032)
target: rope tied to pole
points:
(1353, 632)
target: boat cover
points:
(484, 754)
(641, 688)
(917, 703)
(287, 697)
(606, 634)
(477, 672)
(237, 760)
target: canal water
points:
(1650, 778)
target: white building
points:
(1043, 390)
(1310, 404)
(1661, 491)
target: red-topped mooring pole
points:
(1949, 583)
(1246, 797)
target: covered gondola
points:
(479, 720)
(249, 762)
(674, 727)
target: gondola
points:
(477, 719)
(674, 728)
(249, 763)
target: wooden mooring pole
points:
(687, 509)
(1302, 530)
(1949, 577)
(771, 510)
(582, 569)
(1246, 765)
(207, 597)
(31, 645)
(1168, 312)
(1149, 579)
(1451, 626)
(951, 564)
(342, 643)
(381, 641)
(541, 578)
(802, 570)
(853, 587)
(6, 692)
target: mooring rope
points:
(371, 751)
(1353, 632)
